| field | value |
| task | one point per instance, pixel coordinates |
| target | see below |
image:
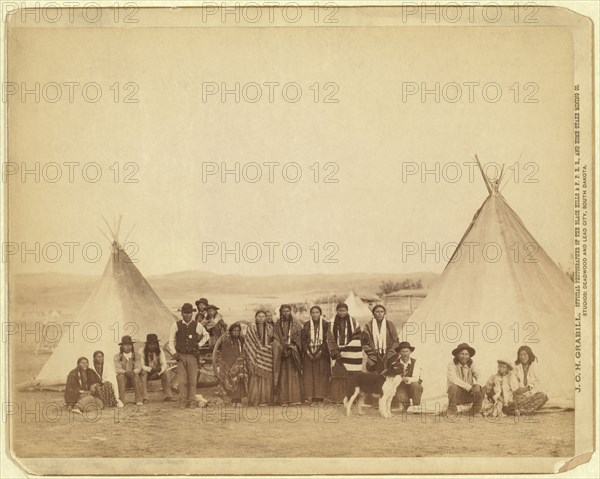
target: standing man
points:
(410, 388)
(154, 366)
(128, 367)
(463, 380)
(269, 317)
(187, 335)
(343, 342)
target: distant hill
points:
(58, 290)
(198, 282)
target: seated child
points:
(499, 390)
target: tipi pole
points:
(104, 234)
(118, 228)
(485, 179)
(109, 229)
(126, 237)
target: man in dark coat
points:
(187, 336)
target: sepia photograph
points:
(298, 238)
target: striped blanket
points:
(259, 356)
(351, 355)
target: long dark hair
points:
(469, 362)
(147, 353)
(285, 306)
(132, 351)
(98, 369)
(527, 349)
(336, 328)
(81, 359)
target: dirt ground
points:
(40, 429)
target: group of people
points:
(89, 386)
(514, 389)
(288, 362)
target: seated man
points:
(410, 388)
(128, 368)
(463, 380)
(154, 366)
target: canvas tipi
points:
(122, 304)
(357, 307)
(500, 290)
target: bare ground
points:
(163, 430)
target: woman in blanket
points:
(287, 358)
(343, 343)
(258, 356)
(232, 371)
(317, 367)
(379, 340)
(77, 390)
(529, 397)
(103, 389)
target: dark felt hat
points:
(405, 344)
(462, 346)
(212, 306)
(126, 340)
(152, 338)
(187, 308)
(203, 301)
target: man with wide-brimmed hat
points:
(463, 380)
(128, 368)
(154, 366)
(410, 389)
(187, 336)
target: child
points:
(499, 390)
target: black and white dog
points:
(384, 385)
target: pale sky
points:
(369, 134)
